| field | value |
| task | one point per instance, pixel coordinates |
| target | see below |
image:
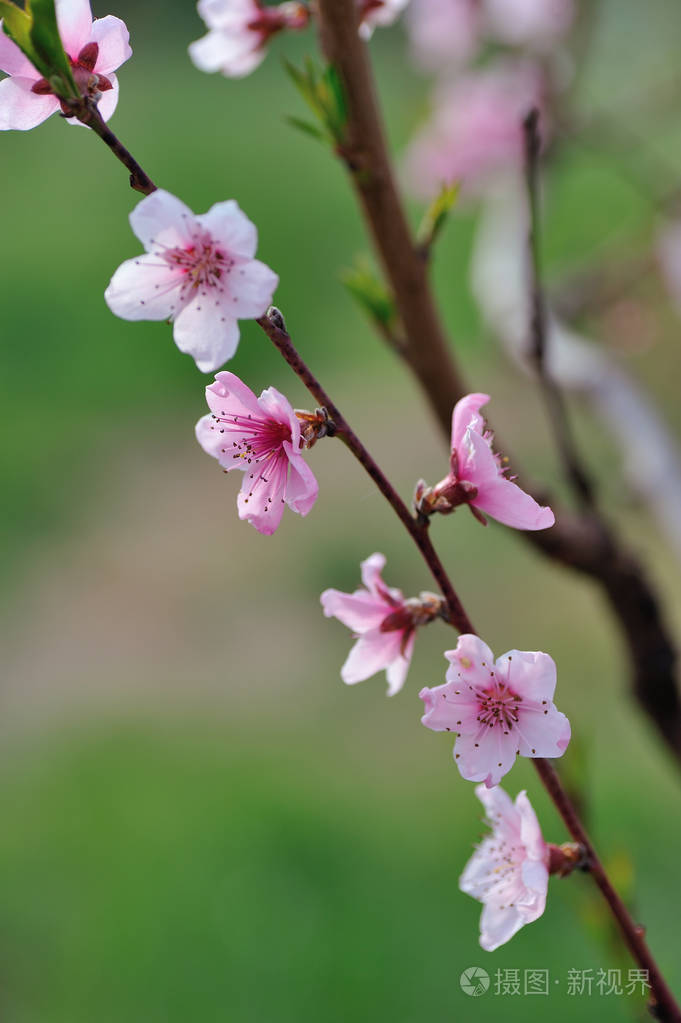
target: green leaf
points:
(370, 293)
(17, 25)
(50, 49)
(437, 213)
(306, 126)
(322, 90)
(36, 33)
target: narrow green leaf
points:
(17, 25)
(437, 213)
(306, 126)
(370, 293)
(50, 49)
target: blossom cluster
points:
(199, 272)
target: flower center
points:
(498, 705)
(83, 69)
(256, 439)
(202, 263)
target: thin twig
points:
(274, 327)
(662, 1003)
(87, 113)
(575, 473)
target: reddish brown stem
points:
(662, 1004)
(87, 113)
(274, 327)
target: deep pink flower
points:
(239, 31)
(261, 438)
(509, 871)
(384, 623)
(475, 133)
(497, 709)
(199, 271)
(378, 14)
(478, 476)
(94, 48)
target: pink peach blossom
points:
(378, 14)
(94, 49)
(383, 622)
(477, 475)
(497, 709)
(509, 871)
(475, 133)
(198, 271)
(261, 438)
(239, 31)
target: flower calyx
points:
(565, 858)
(314, 426)
(415, 612)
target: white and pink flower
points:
(198, 271)
(95, 49)
(261, 438)
(239, 31)
(383, 622)
(478, 476)
(497, 709)
(509, 871)
(475, 134)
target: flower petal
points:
(230, 395)
(530, 832)
(396, 672)
(301, 487)
(74, 19)
(486, 755)
(21, 109)
(470, 661)
(144, 288)
(466, 416)
(235, 54)
(449, 709)
(230, 226)
(497, 926)
(202, 331)
(372, 652)
(530, 673)
(542, 731)
(12, 60)
(162, 216)
(360, 611)
(506, 502)
(112, 36)
(261, 498)
(371, 569)
(249, 289)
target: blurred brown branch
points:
(585, 542)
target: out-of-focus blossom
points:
(198, 271)
(533, 23)
(239, 31)
(509, 871)
(94, 49)
(378, 14)
(384, 623)
(444, 33)
(669, 256)
(475, 133)
(261, 438)
(497, 709)
(478, 477)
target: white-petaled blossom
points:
(198, 271)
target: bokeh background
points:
(198, 820)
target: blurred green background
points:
(199, 821)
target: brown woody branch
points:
(585, 542)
